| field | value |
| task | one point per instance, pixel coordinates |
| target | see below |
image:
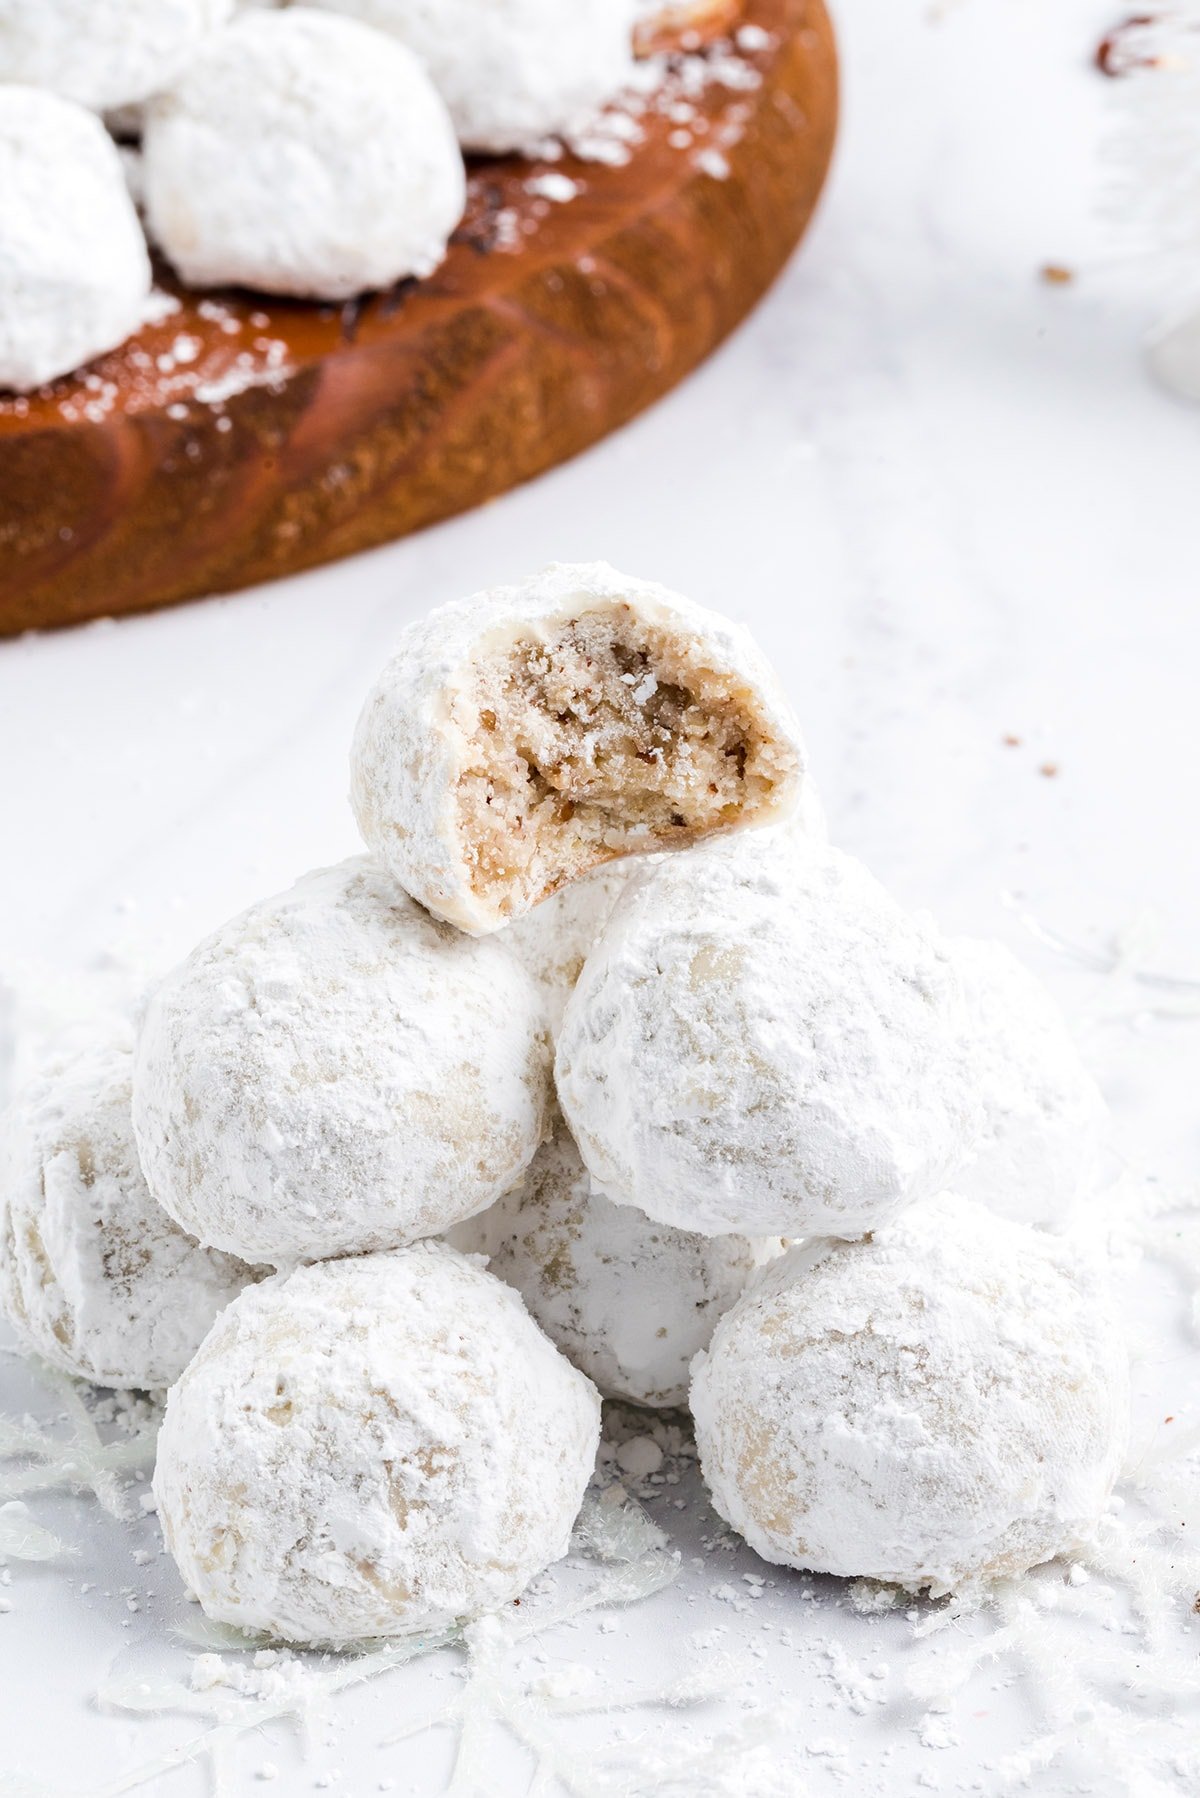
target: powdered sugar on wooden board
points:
(692, 103)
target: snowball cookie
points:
(942, 1403)
(767, 1044)
(103, 53)
(94, 1276)
(512, 71)
(1044, 1119)
(524, 736)
(629, 1301)
(335, 1071)
(555, 939)
(369, 1447)
(74, 273)
(302, 154)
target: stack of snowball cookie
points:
(600, 1073)
(311, 150)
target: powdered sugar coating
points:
(104, 53)
(371, 1447)
(74, 273)
(628, 1301)
(1044, 1119)
(943, 1403)
(512, 71)
(302, 154)
(94, 1276)
(334, 1071)
(767, 1044)
(419, 733)
(555, 939)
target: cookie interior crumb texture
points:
(583, 717)
(611, 733)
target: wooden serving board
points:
(238, 438)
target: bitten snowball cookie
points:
(943, 1403)
(1044, 1119)
(94, 1276)
(370, 1447)
(628, 1301)
(512, 71)
(104, 53)
(302, 154)
(766, 1043)
(74, 273)
(524, 736)
(335, 1071)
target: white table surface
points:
(947, 499)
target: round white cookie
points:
(555, 939)
(104, 53)
(526, 735)
(335, 1071)
(302, 154)
(628, 1301)
(370, 1447)
(512, 71)
(769, 1044)
(1044, 1119)
(944, 1403)
(74, 273)
(94, 1276)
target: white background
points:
(952, 507)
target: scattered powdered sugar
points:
(553, 186)
(712, 162)
(104, 1442)
(639, 1457)
(22, 1539)
(674, 84)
